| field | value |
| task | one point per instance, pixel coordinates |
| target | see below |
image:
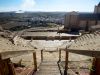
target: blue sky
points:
(48, 5)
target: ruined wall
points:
(82, 24)
(91, 22)
(98, 22)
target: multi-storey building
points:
(82, 21)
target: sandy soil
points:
(27, 60)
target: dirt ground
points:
(27, 60)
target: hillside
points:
(12, 20)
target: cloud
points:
(28, 5)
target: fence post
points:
(12, 69)
(41, 55)
(6, 68)
(66, 62)
(59, 55)
(35, 61)
(95, 67)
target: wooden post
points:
(6, 68)
(0, 57)
(95, 67)
(35, 61)
(66, 62)
(12, 69)
(41, 55)
(59, 55)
